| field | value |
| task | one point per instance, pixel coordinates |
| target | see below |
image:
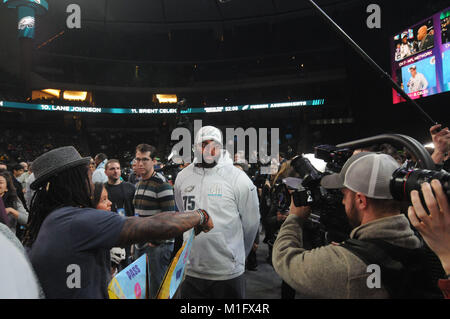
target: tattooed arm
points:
(161, 226)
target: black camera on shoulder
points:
(306, 189)
(328, 214)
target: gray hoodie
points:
(333, 271)
(230, 198)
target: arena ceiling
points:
(180, 45)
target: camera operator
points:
(435, 227)
(380, 231)
(441, 141)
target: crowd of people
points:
(64, 212)
(25, 144)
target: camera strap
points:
(405, 273)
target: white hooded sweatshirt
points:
(231, 200)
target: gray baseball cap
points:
(369, 173)
(336, 181)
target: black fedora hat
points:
(54, 162)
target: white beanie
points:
(208, 133)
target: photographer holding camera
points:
(441, 141)
(434, 227)
(381, 235)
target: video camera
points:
(305, 189)
(328, 216)
(404, 180)
(411, 174)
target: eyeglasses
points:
(144, 160)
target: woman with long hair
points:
(100, 198)
(13, 206)
(100, 201)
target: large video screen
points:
(421, 57)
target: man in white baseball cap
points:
(216, 265)
(208, 146)
(336, 270)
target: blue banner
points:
(175, 273)
(130, 283)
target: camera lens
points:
(306, 170)
(404, 181)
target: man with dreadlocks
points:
(67, 237)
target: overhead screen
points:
(421, 57)
(109, 110)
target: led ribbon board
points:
(108, 110)
(271, 106)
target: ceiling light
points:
(75, 95)
(53, 92)
(167, 98)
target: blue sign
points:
(131, 282)
(180, 266)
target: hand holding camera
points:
(435, 226)
(302, 211)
